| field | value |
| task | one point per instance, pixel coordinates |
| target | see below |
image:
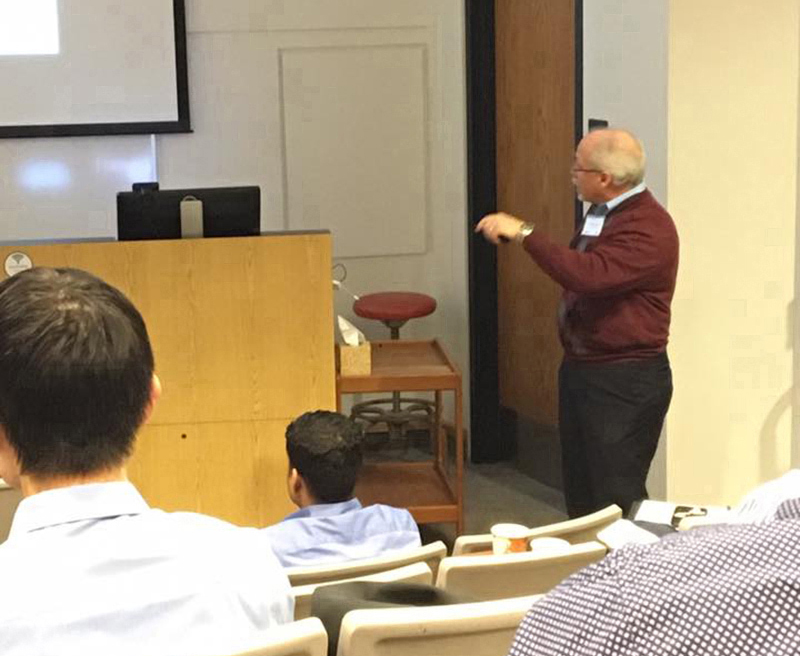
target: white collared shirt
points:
(614, 202)
(762, 503)
(92, 569)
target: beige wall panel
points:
(355, 143)
(733, 115)
(236, 138)
(280, 15)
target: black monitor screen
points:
(227, 212)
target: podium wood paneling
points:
(242, 331)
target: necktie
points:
(594, 211)
(568, 299)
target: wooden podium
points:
(242, 331)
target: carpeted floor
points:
(493, 493)
(499, 492)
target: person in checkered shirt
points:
(730, 589)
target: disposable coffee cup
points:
(549, 545)
(509, 538)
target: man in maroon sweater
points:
(618, 276)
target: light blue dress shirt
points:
(336, 532)
(92, 569)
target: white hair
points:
(620, 154)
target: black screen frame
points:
(155, 214)
(182, 124)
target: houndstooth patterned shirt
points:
(713, 591)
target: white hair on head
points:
(620, 154)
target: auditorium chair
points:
(580, 529)
(304, 638)
(414, 573)
(430, 554)
(509, 575)
(484, 628)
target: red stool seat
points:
(394, 306)
(394, 309)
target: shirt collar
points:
(76, 503)
(326, 509)
(614, 202)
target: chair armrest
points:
(466, 544)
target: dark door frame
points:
(487, 443)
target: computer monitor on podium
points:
(152, 213)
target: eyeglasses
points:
(575, 169)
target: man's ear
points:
(295, 486)
(155, 394)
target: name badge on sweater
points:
(593, 226)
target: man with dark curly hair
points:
(324, 450)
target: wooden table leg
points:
(438, 432)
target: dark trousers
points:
(610, 419)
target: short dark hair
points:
(75, 371)
(325, 448)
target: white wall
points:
(625, 74)
(625, 82)
(733, 114)
(350, 115)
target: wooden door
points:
(535, 52)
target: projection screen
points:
(91, 67)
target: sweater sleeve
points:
(625, 258)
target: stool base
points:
(398, 416)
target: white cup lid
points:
(510, 531)
(550, 544)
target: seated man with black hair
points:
(89, 568)
(324, 450)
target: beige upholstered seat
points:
(304, 638)
(430, 554)
(495, 577)
(479, 629)
(414, 573)
(580, 529)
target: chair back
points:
(509, 575)
(414, 573)
(304, 638)
(478, 629)
(430, 554)
(575, 531)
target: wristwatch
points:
(524, 230)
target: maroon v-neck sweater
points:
(617, 293)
